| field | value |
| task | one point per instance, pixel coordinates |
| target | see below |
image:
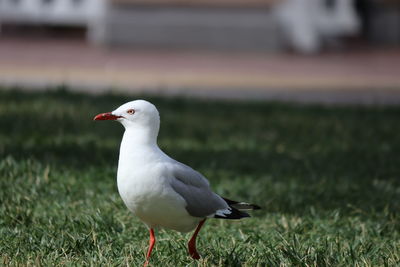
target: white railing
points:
(64, 12)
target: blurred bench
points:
(56, 12)
(81, 13)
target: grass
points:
(327, 178)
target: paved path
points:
(348, 77)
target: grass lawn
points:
(328, 179)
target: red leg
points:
(192, 243)
(151, 245)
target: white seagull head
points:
(134, 115)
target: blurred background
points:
(327, 177)
(303, 50)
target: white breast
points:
(145, 188)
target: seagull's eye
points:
(130, 111)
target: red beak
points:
(106, 116)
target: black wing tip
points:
(233, 202)
(234, 215)
(245, 214)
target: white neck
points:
(139, 136)
(138, 147)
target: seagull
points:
(160, 191)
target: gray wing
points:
(195, 189)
